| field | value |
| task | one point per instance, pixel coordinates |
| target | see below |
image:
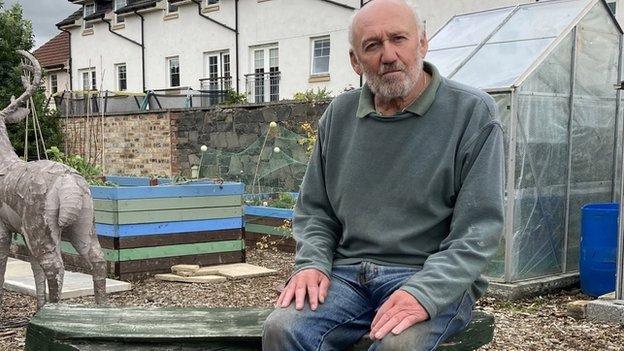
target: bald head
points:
(400, 8)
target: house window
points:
(53, 84)
(320, 56)
(612, 6)
(264, 83)
(173, 64)
(89, 81)
(89, 9)
(119, 4)
(171, 8)
(217, 71)
(122, 82)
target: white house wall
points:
(189, 36)
(103, 50)
(290, 24)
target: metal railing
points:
(263, 87)
(106, 102)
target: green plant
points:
(310, 137)
(284, 200)
(234, 98)
(92, 173)
(313, 96)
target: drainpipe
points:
(235, 30)
(110, 29)
(142, 47)
(71, 74)
(237, 42)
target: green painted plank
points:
(167, 215)
(167, 203)
(266, 229)
(66, 247)
(144, 253)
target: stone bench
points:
(70, 327)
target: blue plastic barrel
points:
(599, 231)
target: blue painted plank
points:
(268, 212)
(168, 227)
(165, 191)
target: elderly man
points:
(402, 203)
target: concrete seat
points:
(70, 327)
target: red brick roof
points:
(55, 52)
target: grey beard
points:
(395, 88)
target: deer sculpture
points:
(44, 200)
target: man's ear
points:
(424, 45)
(355, 63)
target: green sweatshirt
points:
(423, 188)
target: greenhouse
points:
(552, 67)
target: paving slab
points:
(236, 271)
(19, 278)
(606, 309)
(182, 279)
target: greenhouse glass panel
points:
(541, 166)
(593, 121)
(496, 267)
(540, 20)
(447, 60)
(510, 60)
(468, 30)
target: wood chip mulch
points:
(539, 323)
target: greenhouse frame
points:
(552, 67)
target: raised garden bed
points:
(144, 230)
(269, 226)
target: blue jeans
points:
(355, 293)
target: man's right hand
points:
(310, 282)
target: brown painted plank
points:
(164, 264)
(279, 242)
(178, 238)
(274, 222)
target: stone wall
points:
(168, 143)
(140, 144)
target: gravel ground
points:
(538, 323)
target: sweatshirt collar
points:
(366, 105)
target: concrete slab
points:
(532, 287)
(606, 309)
(236, 271)
(182, 279)
(19, 278)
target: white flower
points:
(276, 150)
(204, 148)
(272, 124)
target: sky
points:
(44, 14)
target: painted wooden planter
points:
(145, 229)
(268, 225)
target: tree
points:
(16, 34)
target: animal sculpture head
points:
(31, 80)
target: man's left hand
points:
(398, 313)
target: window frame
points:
(170, 73)
(118, 76)
(313, 56)
(53, 83)
(119, 19)
(87, 25)
(171, 9)
(91, 76)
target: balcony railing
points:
(263, 87)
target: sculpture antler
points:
(30, 83)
